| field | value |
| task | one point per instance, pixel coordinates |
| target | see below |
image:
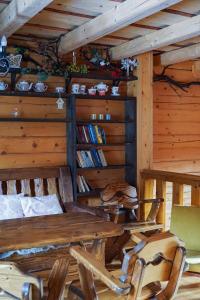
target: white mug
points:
(3, 86)
(60, 89)
(115, 90)
(82, 89)
(75, 88)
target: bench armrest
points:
(97, 268)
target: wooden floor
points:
(188, 290)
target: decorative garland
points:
(174, 83)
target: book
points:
(102, 158)
(98, 134)
(87, 188)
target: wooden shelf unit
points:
(129, 144)
(71, 120)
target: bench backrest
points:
(185, 222)
(38, 182)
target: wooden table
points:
(54, 230)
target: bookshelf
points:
(127, 145)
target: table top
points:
(54, 230)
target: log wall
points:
(177, 123)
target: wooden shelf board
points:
(47, 120)
(106, 97)
(32, 94)
(102, 145)
(82, 122)
(102, 75)
(104, 168)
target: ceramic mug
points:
(60, 89)
(82, 89)
(3, 86)
(92, 91)
(115, 90)
(75, 88)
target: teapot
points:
(24, 86)
(40, 87)
(101, 87)
(3, 86)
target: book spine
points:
(102, 158)
(98, 134)
(92, 136)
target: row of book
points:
(90, 134)
(91, 158)
(82, 184)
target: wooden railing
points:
(153, 183)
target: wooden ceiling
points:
(62, 16)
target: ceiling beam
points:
(180, 55)
(172, 34)
(114, 19)
(18, 12)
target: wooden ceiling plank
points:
(180, 55)
(18, 12)
(172, 34)
(112, 20)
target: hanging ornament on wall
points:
(60, 103)
(4, 63)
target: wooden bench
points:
(37, 182)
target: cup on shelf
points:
(83, 89)
(115, 91)
(75, 88)
(92, 91)
(3, 86)
(108, 117)
(100, 116)
(102, 92)
(93, 116)
(60, 90)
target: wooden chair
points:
(121, 202)
(152, 270)
(15, 284)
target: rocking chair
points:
(151, 270)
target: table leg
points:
(86, 277)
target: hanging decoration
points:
(98, 58)
(128, 65)
(163, 77)
(74, 68)
(60, 102)
(4, 63)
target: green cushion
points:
(185, 223)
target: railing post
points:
(177, 196)
(161, 193)
(195, 196)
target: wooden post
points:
(143, 90)
(161, 193)
(195, 196)
(177, 197)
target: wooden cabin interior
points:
(99, 149)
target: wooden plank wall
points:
(24, 144)
(176, 144)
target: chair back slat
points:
(38, 182)
(11, 187)
(25, 187)
(39, 187)
(51, 186)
